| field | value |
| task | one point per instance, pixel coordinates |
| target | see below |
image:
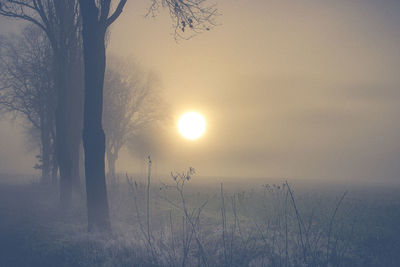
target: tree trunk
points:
(54, 171)
(69, 132)
(54, 162)
(76, 178)
(93, 135)
(82, 164)
(69, 115)
(63, 148)
(46, 148)
(74, 100)
(111, 159)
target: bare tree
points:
(27, 87)
(60, 20)
(96, 18)
(131, 102)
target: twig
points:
(148, 201)
(331, 224)
(299, 222)
(286, 231)
(223, 217)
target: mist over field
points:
(199, 133)
(288, 90)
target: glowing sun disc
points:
(192, 125)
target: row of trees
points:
(60, 22)
(75, 33)
(131, 97)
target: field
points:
(181, 221)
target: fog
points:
(288, 90)
(298, 164)
(292, 90)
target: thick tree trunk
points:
(54, 172)
(74, 100)
(69, 116)
(93, 135)
(46, 149)
(54, 162)
(69, 134)
(82, 164)
(63, 148)
(111, 159)
(76, 178)
(68, 139)
(65, 167)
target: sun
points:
(192, 125)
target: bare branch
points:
(116, 13)
(193, 15)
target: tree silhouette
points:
(27, 88)
(131, 102)
(60, 20)
(96, 18)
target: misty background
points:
(304, 89)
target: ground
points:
(364, 232)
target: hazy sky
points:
(306, 89)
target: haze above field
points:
(289, 89)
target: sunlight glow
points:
(192, 125)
